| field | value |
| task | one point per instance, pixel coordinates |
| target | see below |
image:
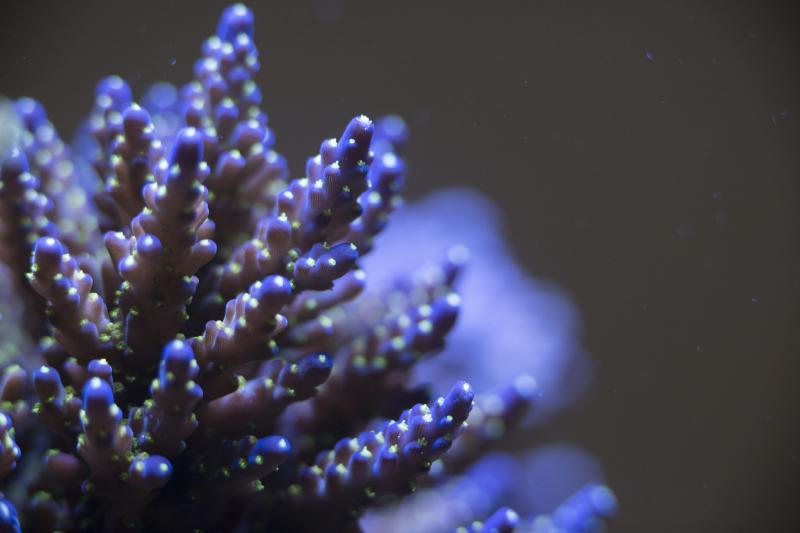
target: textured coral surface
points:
(188, 345)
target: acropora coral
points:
(188, 343)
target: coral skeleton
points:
(190, 340)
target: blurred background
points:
(645, 156)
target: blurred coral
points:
(189, 341)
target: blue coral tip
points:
(391, 133)
(158, 466)
(178, 352)
(117, 91)
(272, 449)
(148, 245)
(31, 112)
(460, 393)
(390, 163)
(45, 376)
(232, 160)
(97, 395)
(444, 313)
(356, 139)
(441, 445)
(5, 423)
(602, 499)
(393, 127)
(247, 133)
(273, 288)
(135, 119)
(188, 149)
(8, 517)
(14, 161)
(47, 252)
(149, 472)
(527, 387)
(343, 253)
(505, 518)
(100, 368)
(317, 366)
(226, 111)
(235, 19)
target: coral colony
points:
(188, 345)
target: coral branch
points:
(51, 162)
(383, 462)
(12, 392)
(79, 316)
(256, 404)
(386, 177)
(224, 102)
(136, 153)
(105, 443)
(159, 262)
(581, 512)
(23, 210)
(9, 451)
(251, 320)
(57, 408)
(374, 363)
(494, 417)
(169, 417)
(247, 461)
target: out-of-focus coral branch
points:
(50, 160)
(23, 210)
(112, 96)
(374, 363)
(504, 520)
(9, 522)
(581, 512)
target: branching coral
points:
(202, 355)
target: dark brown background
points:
(645, 156)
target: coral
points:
(190, 341)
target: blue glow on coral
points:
(510, 323)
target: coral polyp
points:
(189, 341)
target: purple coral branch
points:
(256, 404)
(251, 320)
(79, 316)
(135, 154)
(168, 418)
(383, 462)
(159, 261)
